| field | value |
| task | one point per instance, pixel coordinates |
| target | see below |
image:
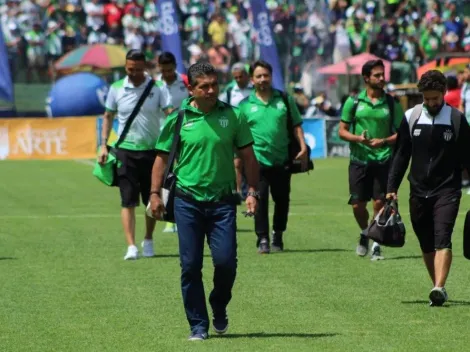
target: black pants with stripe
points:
(274, 180)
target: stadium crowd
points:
(406, 32)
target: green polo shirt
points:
(268, 124)
(375, 118)
(205, 166)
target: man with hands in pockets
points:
(205, 196)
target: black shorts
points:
(367, 182)
(135, 176)
(433, 220)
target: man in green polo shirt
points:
(266, 113)
(206, 198)
(369, 123)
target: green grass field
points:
(64, 285)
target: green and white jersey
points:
(145, 129)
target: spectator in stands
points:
(452, 97)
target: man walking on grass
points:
(205, 198)
(436, 137)
(174, 83)
(136, 153)
(369, 123)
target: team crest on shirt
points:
(223, 122)
(447, 135)
(254, 108)
(280, 105)
(360, 107)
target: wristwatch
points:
(253, 194)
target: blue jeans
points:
(195, 220)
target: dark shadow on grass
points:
(404, 257)
(156, 256)
(319, 250)
(268, 335)
(450, 302)
(7, 258)
(244, 230)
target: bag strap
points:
(353, 114)
(229, 94)
(174, 144)
(415, 114)
(456, 118)
(134, 112)
(290, 123)
(391, 109)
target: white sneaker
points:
(147, 248)
(170, 227)
(132, 253)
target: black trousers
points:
(276, 180)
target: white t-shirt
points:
(145, 129)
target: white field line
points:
(117, 215)
(85, 162)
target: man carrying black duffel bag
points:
(437, 139)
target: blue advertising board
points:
(314, 131)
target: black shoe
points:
(261, 237)
(220, 324)
(363, 246)
(277, 245)
(263, 247)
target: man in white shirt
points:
(233, 95)
(174, 83)
(136, 154)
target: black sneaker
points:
(363, 246)
(263, 247)
(220, 324)
(277, 245)
(438, 297)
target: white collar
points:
(128, 84)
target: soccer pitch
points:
(64, 285)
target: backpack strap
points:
(415, 114)
(391, 109)
(353, 114)
(229, 94)
(456, 118)
(285, 99)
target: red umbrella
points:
(353, 66)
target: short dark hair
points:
(370, 65)
(261, 63)
(135, 55)
(200, 69)
(166, 58)
(433, 80)
(452, 82)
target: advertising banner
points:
(265, 37)
(48, 139)
(336, 146)
(314, 133)
(169, 31)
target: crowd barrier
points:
(79, 137)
